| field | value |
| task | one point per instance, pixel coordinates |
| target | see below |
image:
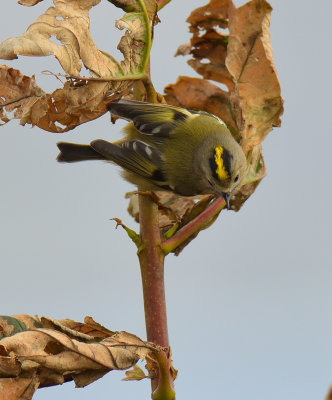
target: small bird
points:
(169, 148)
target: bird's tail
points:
(72, 152)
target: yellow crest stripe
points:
(220, 171)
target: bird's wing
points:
(150, 119)
(134, 156)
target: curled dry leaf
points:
(329, 394)
(18, 93)
(68, 22)
(88, 331)
(29, 3)
(257, 98)
(80, 100)
(10, 325)
(183, 50)
(45, 348)
(54, 356)
(18, 388)
(208, 25)
(135, 374)
(59, 111)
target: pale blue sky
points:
(250, 300)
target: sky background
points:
(250, 300)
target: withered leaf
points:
(135, 374)
(29, 3)
(257, 98)
(132, 43)
(68, 22)
(97, 328)
(10, 325)
(9, 366)
(329, 394)
(88, 331)
(59, 111)
(79, 100)
(209, 41)
(183, 50)
(18, 388)
(55, 357)
(18, 93)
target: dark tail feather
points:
(72, 152)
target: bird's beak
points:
(226, 196)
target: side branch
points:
(194, 226)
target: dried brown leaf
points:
(55, 350)
(131, 44)
(54, 357)
(10, 325)
(95, 329)
(73, 329)
(256, 100)
(178, 206)
(89, 330)
(46, 357)
(29, 3)
(67, 22)
(18, 388)
(79, 100)
(9, 366)
(18, 93)
(85, 378)
(59, 111)
(135, 374)
(329, 394)
(183, 50)
(209, 41)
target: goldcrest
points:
(169, 148)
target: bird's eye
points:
(236, 178)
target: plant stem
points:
(151, 258)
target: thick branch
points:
(151, 257)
